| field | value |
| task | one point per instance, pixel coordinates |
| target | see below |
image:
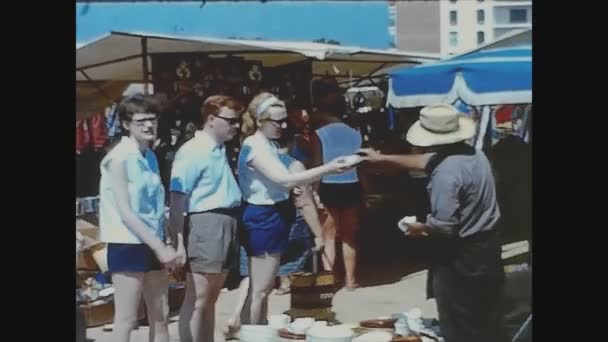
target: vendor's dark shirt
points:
(463, 196)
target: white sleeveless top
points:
(146, 194)
(256, 188)
(338, 140)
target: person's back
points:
(479, 209)
(337, 140)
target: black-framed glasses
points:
(230, 121)
(151, 119)
(280, 122)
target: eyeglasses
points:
(230, 121)
(142, 122)
(280, 123)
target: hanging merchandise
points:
(98, 131)
(462, 107)
(486, 121)
(520, 120)
(112, 122)
(83, 137)
(255, 74)
(504, 114)
(391, 118)
(183, 71)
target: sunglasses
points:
(230, 121)
(280, 123)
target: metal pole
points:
(144, 56)
(523, 328)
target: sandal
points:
(352, 287)
(230, 331)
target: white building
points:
(454, 26)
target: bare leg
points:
(235, 319)
(128, 288)
(284, 287)
(349, 224)
(262, 270)
(197, 315)
(329, 235)
(156, 296)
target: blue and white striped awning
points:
(497, 76)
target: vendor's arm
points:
(406, 161)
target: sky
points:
(358, 23)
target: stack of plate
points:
(257, 333)
(329, 334)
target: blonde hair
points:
(251, 116)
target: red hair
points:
(214, 103)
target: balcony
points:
(512, 26)
(511, 3)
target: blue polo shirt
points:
(201, 171)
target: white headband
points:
(265, 105)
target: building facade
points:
(450, 27)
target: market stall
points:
(138, 57)
(484, 81)
(183, 72)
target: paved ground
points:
(387, 288)
(367, 302)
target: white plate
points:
(106, 292)
(353, 159)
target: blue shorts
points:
(126, 257)
(266, 228)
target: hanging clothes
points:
(98, 131)
(504, 114)
(112, 122)
(83, 138)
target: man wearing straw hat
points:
(466, 276)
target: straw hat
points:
(440, 124)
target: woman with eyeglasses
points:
(204, 190)
(131, 217)
(265, 184)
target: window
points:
(453, 18)
(481, 17)
(453, 39)
(518, 16)
(481, 37)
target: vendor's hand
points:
(319, 244)
(416, 229)
(370, 155)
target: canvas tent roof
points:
(118, 55)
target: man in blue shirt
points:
(204, 189)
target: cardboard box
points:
(87, 228)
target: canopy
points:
(120, 56)
(486, 77)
